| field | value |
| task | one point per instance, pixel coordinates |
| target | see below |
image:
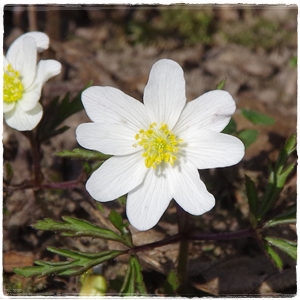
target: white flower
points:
(23, 80)
(157, 146)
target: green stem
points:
(183, 229)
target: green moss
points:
(261, 34)
(185, 26)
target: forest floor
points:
(253, 48)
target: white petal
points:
(212, 110)
(147, 202)
(22, 57)
(209, 149)
(21, 120)
(8, 106)
(107, 104)
(116, 177)
(46, 69)
(41, 39)
(112, 139)
(188, 190)
(164, 95)
(29, 99)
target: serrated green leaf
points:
(257, 118)
(251, 195)
(248, 136)
(289, 247)
(83, 154)
(221, 84)
(230, 128)
(287, 217)
(79, 264)
(76, 228)
(274, 256)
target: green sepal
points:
(79, 264)
(289, 247)
(257, 118)
(73, 227)
(83, 154)
(287, 217)
(273, 255)
(248, 136)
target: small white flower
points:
(23, 80)
(157, 146)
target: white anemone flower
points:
(157, 146)
(23, 80)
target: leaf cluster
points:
(78, 262)
(260, 206)
(56, 113)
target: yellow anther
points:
(13, 88)
(160, 145)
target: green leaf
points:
(257, 118)
(140, 285)
(79, 264)
(230, 128)
(84, 154)
(56, 112)
(172, 283)
(287, 217)
(289, 247)
(252, 198)
(248, 136)
(128, 287)
(76, 228)
(293, 62)
(133, 279)
(221, 84)
(117, 220)
(278, 176)
(273, 255)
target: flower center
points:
(12, 85)
(160, 145)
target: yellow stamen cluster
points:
(12, 85)
(159, 143)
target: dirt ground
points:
(253, 47)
